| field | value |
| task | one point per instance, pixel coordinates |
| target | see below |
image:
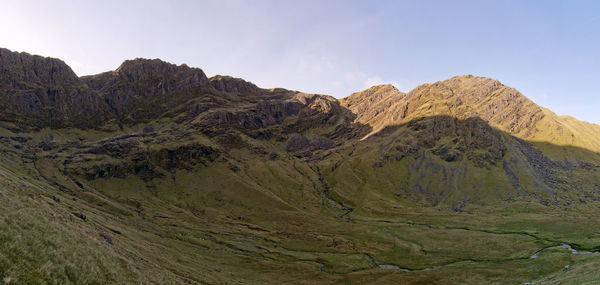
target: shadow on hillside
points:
(442, 150)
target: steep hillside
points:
(166, 176)
(466, 97)
(41, 92)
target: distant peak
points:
(145, 63)
(382, 87)
(231, 84)
(35, 68)
(143, 68)
(376, 92)
(473, 79)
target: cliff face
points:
(40, 92)
(144, 89)
(231, 84)
(469, 96)
(461, 97)
(466, 97)
(23, 67)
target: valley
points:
(156, 174)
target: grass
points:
(268, 221)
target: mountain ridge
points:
(137, 68)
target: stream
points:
(565, 246)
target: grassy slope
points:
(251, 226)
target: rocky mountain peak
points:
(373, 95)
(37, 92)
(17, 67)
(376, 106)
(471, 96)
(232, 84)
(147, 86)
(461, 97)
(156, 69)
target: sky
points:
(548, 50)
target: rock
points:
(273, 156)
(48, 145)
(116, 147)
(568, 267)
(107, 237)
(319, 142)
(297, 143)
(20, 139)
(378, 164)
(65, 190)
(56, 199)
(81, 216)
(148, 129)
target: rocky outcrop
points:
(449, 138)
(121, 156)
(22, 68)
(38, 92)
(368, 105)
(168, 77)
(144, 89)
(469, 96)
(231, 84)
(302, 146)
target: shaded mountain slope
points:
(41, 92)
(444, 160)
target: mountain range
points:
(156, 173)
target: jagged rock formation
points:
(461, 97)
(231, 84)
(378, 106)
(41, 92)
(144, 89)
(466, 97)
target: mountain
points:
(155, 173)
(45, 92)
(465, 97)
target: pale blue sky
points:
(549, 50)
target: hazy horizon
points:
(548, 50)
